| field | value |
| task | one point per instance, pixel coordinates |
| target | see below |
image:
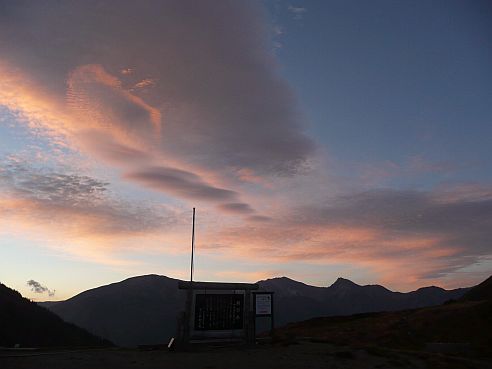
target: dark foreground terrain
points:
(463, 326)
(301, 355)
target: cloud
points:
(414, 166)
(259, 218)
(454, 234)
(236, 208)
(73, 204)
(38, 288)
(424, 236)
(137, 98)
(99, 99)
(105, 146)
(56, 187)
(181, 183)
(411, 211)
(143, 86)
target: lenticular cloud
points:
(193, 82)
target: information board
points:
(263, 304)
(219, 311)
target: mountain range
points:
(143, 310)
(457, 327)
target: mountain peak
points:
(344, 283)
(285, 281)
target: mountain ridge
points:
(281, 278)
(143, 309)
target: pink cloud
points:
(181, 183)
(204, 106)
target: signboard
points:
(263, 304)
(219, 311)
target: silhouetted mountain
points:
(143, 310)
(25, 323)
(296, 301)
(482, 291)
(139, 310)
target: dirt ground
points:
(304, 355)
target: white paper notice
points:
(263, 304)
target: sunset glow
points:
(310, 147)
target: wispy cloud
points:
(394, 233)
(237, 207)
(181, 183)
(39, 288)
(414, 166)
(71, 203)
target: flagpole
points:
(192, 246)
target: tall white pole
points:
(192, 246)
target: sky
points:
(316, 140)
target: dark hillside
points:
(483, 291)
(466, 323)
(25, 323)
